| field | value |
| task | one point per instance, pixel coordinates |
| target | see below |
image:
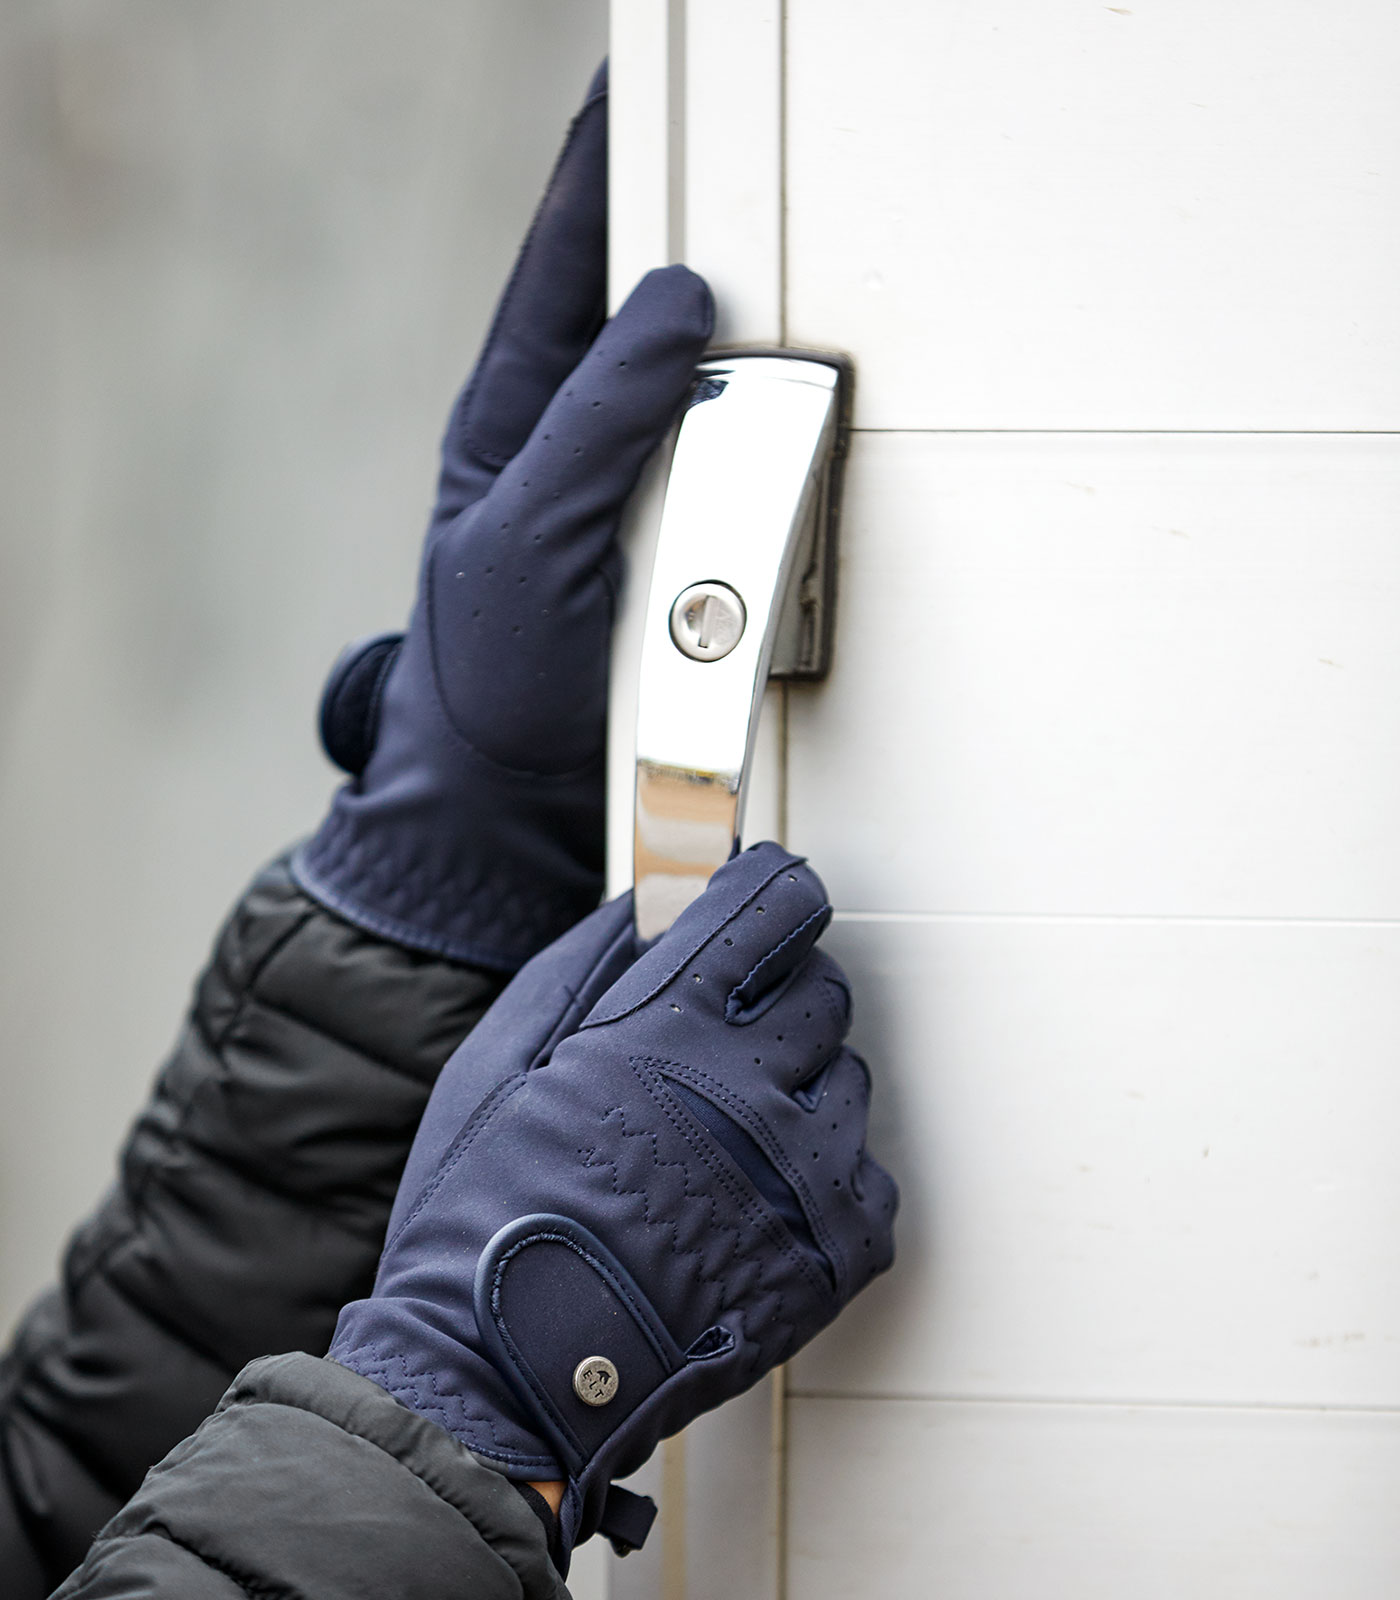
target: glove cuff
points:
(491, 893)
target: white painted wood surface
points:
(1104, 780)
(974, 1501)
(1131, 674)
(1143, 1159)
(1066, 214)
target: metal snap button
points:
(595, 1380)
(707, 621)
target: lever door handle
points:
(743, 559)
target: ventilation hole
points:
(808, 1015)
(578, 449)
(836, 1183)
(622, 363)
(549, 436)
(835, 1126)
(758, 1061)
(791, 879)
(489, 571)
(596, 404)
(729, 941)
(867, 1244)
(504, 526)
(520, 580)
(759, 909)
(537, 538)
(780, 1038)
(816, 1155)
(674, 1006)
(524, 483)
(516, 628)
(698, 978)
(476, 613)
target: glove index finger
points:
(568, 483)
(552, 306)
(757, 906)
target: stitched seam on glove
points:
(757, 1217)
(768, 1142)
(522, 1366)
(406, 1389)
(733, 1003)
(752, 1204)
(458, 1148)
(724, 919)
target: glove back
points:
(639, 1186)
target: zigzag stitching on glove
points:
(756, 1212)
(763, 1134)
(453, 1419)
(593, 1157)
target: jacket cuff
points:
(309, 1479)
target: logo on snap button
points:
(595, 1380)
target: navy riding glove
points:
(473, 822)
(639, 1185)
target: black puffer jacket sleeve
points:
(250, 1205)
(311, 1480)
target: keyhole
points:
(707, 621)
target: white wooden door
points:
(1104, 782)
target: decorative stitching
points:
(771, 1147)
(454, 1419)
(728, 1296)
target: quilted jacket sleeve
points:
(310, 1480)
(250, 1204)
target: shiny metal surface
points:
(707, 621)
(595, 1380)
(745, 483)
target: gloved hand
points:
(638, 1186)
(473, 822)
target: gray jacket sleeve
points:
(250, 1204)
(311, 1481)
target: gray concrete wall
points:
(246, 253)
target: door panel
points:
(967, 1501)
(1062, 214)
(1138, 1160)
(1103, 782)
(1110, 674)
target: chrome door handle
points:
(742, 569)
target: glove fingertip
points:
(671, 299)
